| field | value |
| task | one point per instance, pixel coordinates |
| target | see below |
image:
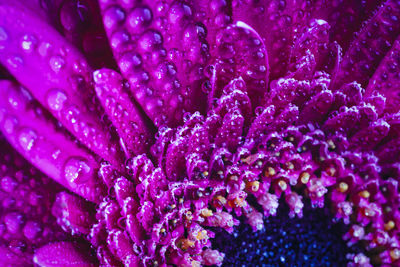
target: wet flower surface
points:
(205, 132)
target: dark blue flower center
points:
(313, 240)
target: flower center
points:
(313, 240)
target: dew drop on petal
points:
(56, 99)
(9, 124)
(15, 61)
(113, 16)
(139, 18)
(15, 101)
(27, 138)
(56, 63)
(3, 34)
(72, 114)
(28, 43)
(76, 170)
(55, 154)
(44, 49)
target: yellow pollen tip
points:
(206, 212)
(185, 244)
(364, 194)
(201, 235)
(389, 225)
(221, 200)
(343, 187)
(331, 171)
(283, 185)
(196, 264)
(270, 172)
(305, 177)
(331, 144)
(205, 173)
(290, 165)
(253, 186)
(395, 254)
(189, 215)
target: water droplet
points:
(3, 34)
(56, 99)
(15, 100)
(77, 170)
(56, 153)
(119, 38)
(44, 49)
(28, 43)
(139, 18)
(56, 63)
(15, 61)
(150, 40)
(113, 16)
(27, 138)
(130, 60)
(9, 124)
(72, 114)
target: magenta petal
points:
(57, 75)
(276, 22)
(216, 16)
(124, 114)
(386, 79)
(26, 197)
(370, 46)
(34, 135)
(62, 254)
(345, 17)
(73, 213)
(161, 51)
(241, 52)
(8, 258)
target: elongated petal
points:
(386, 79)
(34, 135)
(241, 53)
(370, 46)
(124, 114)
(216, 15)
(26, 197)
(56, 74)
(275, 21)
(73, 213)
(345, 17)
(63, 254)
(161, 51)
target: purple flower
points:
(153, 132)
